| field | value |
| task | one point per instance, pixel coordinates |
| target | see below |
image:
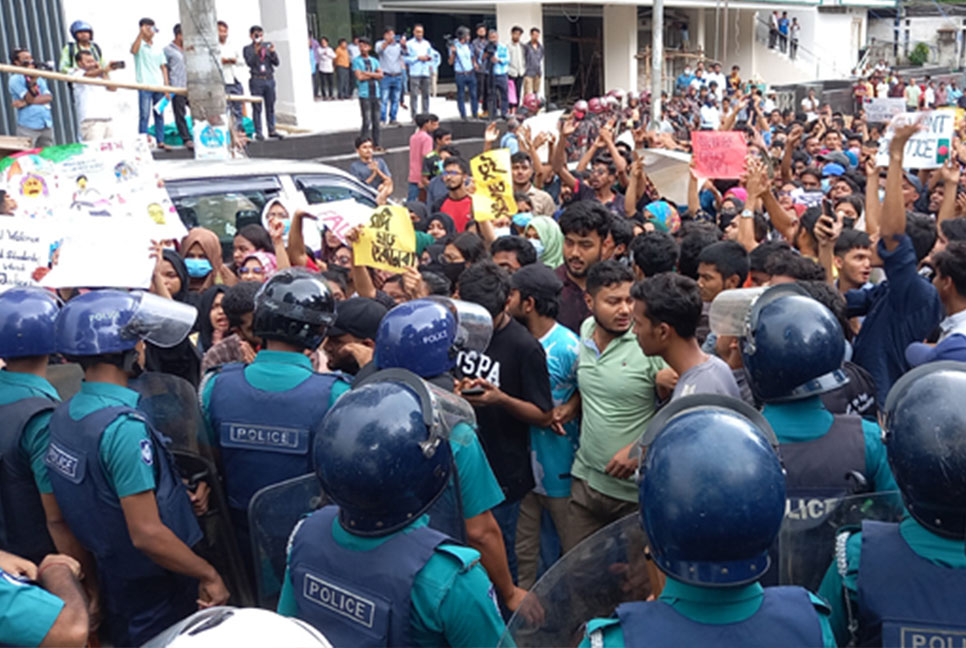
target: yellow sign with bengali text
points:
(494, 186)
(388, 242)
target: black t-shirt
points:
(856, 396)
(514, 362)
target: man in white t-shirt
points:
(95, 107)
(810, 106)
(718, 77)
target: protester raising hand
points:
(276, 230)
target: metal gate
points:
(36, 25)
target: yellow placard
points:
(494, 186)
(388, 242)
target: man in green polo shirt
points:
(619, 388)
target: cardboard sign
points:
(883, 109)
(928, 148)
(493, 197)
(719, 154)
(340, 216)
(81, 262)
(545, 123)
(24, 247)
(388, 242)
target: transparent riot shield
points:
(171, 405)
(66, 379)
(272, 514)
(591, 580)
(807, 540)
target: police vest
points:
(23, 524)
(818, 469)
(904, 599)
(265, 437)
(358, 598)
(141, 598)
(787, 617)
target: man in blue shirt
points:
(419, 57)
(496, 59)
(390, 52)
(368, 77)
(461, 58)
(783, 32)
(906, 307)
(31, 98)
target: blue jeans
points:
(466, 81)
(506, 515)
(392, 88)
(498, 96)
(413, 191)
(146, 101)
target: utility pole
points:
(206, 89)
(657, 61)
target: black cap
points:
(536, 279)
(358, 316)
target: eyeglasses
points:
(452, 173)
(343, 260)
(254, 271)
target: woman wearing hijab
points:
(547, 238)
(258, 266)
(212, 321)
(201, 250)
(182, 360)
(440, 225)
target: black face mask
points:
(452, 271)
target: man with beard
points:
(603, 174)
(458, 204)
(351, 341)
(619, 388)
(585, 226)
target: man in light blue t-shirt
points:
(31, 97)
(150, 68)
(534, 302)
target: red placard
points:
(719, 154)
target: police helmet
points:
(425, 335)
(712, 492)
(27, 317)
(923, 423)
(231, 626)
(581, 107)
(79, 26)
(113, 321)
(294, 306)
(793, 347)
(381, 455)
(596, 106)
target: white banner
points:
(928, 148)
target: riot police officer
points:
(116, 483)
(30, 520)
(370, 571)
(424, 336)
(904, 583)
(261, 415)
(793, 352)
(712, 497)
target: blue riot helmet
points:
(382, 456)
(113, 321)
(923, 423)
(793, 347)
(79, 26)
(712, 491)
(425, 335)
(294, 306)
(27, 317)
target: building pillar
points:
(699, 32)
(620, 47)
(285, 25)
(526, 15)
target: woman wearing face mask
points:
(546, 237)
(465, 250)
(250, 239)
(201, 250)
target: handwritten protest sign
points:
(340, 216)
(111, 179)
(80, 261)
(494, 186)
(883, 109)
(719, 154)
(388, 242)
(24, 247)
(928, 148)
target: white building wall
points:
(620, 47)
(921, 30)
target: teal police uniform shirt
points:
(27, 612)
(807, 419)
(272, 371)
(937, 550)
(452, 599)
(36, 435)
(713, 606)
(127, 450)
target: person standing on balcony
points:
(783, 31)
(793, 33)
(772, 29)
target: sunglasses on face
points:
(254, 271)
